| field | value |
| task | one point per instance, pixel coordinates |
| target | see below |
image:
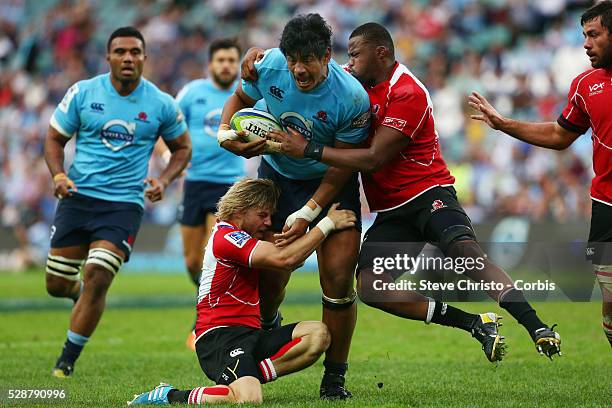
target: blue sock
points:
(72, 347)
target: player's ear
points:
(382, 51)
(327, 55)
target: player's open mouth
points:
(303, 83)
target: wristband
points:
(225, 133)
(60, 176)
(326, 225)
(305, 212)
(314, 151)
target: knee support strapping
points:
(339, 304)
(64, 267)
(105, 258)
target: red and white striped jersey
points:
(229, 287)
(588, 106)
(403, 103)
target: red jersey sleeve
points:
(573, 117)
(234, 246)
(408, 109)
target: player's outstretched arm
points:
(386, 144)
(548, 134)
(54, 156)
(268, 256)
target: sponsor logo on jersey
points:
(212, 120)
(117, 134)
(236, 352)
(295, 121)
(276, 92)
(321, 115)
(362, 120)
(201, 101)
(394, 123)
(590, 251)
(596, 89)
(142, 117)
(53, 229)
(238, 238)
(436, 205)
(97, 107)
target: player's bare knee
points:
(320, 338)
(58, 287)
(97, 280)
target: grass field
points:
(140, 341)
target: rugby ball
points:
(254, 122)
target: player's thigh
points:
(117, 224)
(337, 257)
(271, 342)
(294, 194)
(445, 220)
(393, 232)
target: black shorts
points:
(599, 248)
(199, 198)
(81, 220)
(295, 193)
(422, 220)
(229, 353)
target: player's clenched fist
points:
(156, 190)
(63, 186)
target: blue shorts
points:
(199, 198)
(295, 193)
(81, 220)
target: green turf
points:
(393, 362)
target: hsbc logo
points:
(596, 89)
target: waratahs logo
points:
(117, 134)
(295, 121)
(212, 120)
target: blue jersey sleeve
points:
(66, 118)
(272, 60)
(356, 121)
(173, 122)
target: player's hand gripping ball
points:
(256, 124)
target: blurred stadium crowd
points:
(522, 54)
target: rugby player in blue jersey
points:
(310, 93)
(116, 119)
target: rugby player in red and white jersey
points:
(588, 106)
(232, 349)
(408, 184)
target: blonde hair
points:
(245, 194)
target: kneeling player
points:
(233, 350)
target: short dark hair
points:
(223, 44)
(375, 34)
(125, 32)
(306, 35)
(603, 10)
